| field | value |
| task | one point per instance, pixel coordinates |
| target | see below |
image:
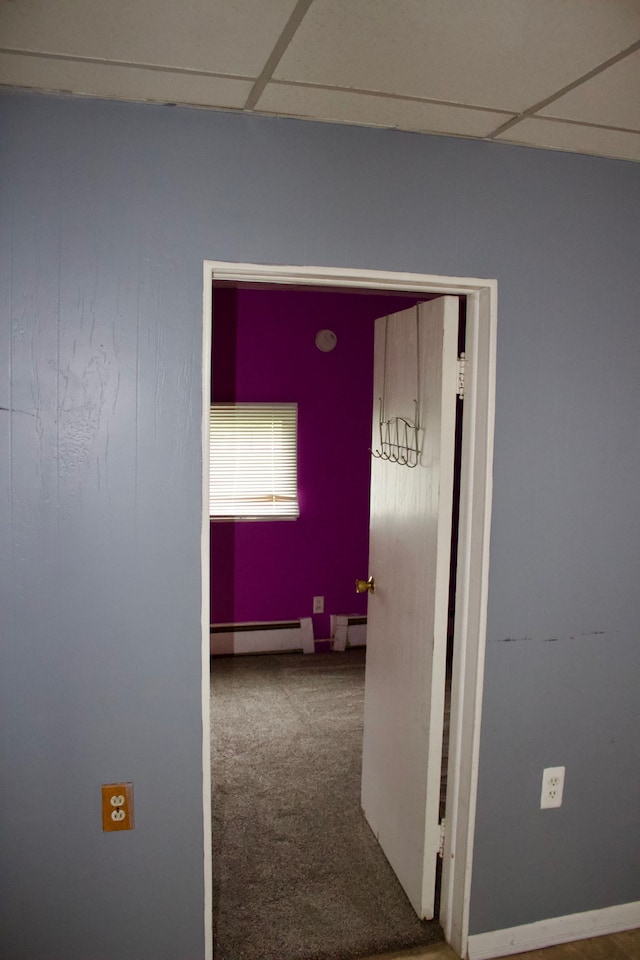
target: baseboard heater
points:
(261, 637)
(348, 632)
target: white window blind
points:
(253, 461)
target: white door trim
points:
(476, 479)
(207, 336)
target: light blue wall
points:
(108, 210)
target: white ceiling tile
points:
(611, 98)
(122, 83)
(504, 54)
(225, 36)
(575, 138)
(345, 107)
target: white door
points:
(409, 554)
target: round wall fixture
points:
(326, 340)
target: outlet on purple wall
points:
(264, 351)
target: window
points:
(253, 463)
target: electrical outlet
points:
(552, 787)
(318, 604)
(117, 806)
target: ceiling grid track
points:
(533, 110)
(127, 64)
(292, 24)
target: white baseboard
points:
(546, 933)
(348, 631)
(239, 638)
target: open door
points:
(415, 379)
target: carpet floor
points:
(298, 874)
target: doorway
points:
(293, 838)
(472, 547)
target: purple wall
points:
(264, 350)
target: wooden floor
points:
(616, 946)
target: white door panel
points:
(410, 541)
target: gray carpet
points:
(298, 875)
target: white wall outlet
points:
(318, 604)
(552, 787)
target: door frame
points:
(476, 484)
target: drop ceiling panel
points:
(611, 98)
(458, 67)
(122, 83)
(226, 36)
(504, 54)
(574, 137)
(346, 107)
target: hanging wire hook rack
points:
(398, 438)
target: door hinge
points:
(441, 827)
(461, 368)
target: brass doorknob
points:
(364, 586)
